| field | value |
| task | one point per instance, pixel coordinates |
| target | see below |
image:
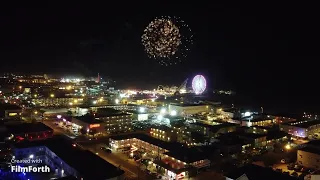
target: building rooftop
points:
(27, 128)
(257, 172)
(303, 124)
(310, 150)
(229, 140)
(7, 106)
(77, 158)
(162, 127)
(276, 135)
(136, 112)
(105, 111)
(248, 135)
(188, 155)
(217, 127)
(110, 115)
(186, 105)
(88, 119)
(314, 143)
(163, 144)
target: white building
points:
(188, 109)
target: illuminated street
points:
(118, 159)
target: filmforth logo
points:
(42, 169)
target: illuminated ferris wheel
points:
(199, 84)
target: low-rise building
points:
(29, 131)
(280, 119)
(68, 159)
(188, 109)
(164, 133)
(115, 121)
(256, 140)
(302, 129)
(252, 171)
(257, 122)
(176, 160)
(309, 155)
(139, 116)
(89, 123)
(57, 101)
(213, 130)
(8, 111)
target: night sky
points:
(267, 53)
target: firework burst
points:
(167, 40)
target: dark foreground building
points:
(68, 159)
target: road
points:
(118, 159)
(131, 168)
(58, 130)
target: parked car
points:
(106, 149)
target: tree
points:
(69, 113)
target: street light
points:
(52, 95)
(288, 147)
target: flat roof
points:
(257, 172)
(77, 158)
(7, 106)
(304, 124)
(311, 150)
(88, 119)
(110, 115)
(136, 112)
(276, 135)
(162, 128)
(314, 143)
(214, 128)
(187, 105)
(249, 135)
(188, 155)
(176, 150)
(151, 140)
(27, 128)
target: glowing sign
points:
(94, 125)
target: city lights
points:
(142, 109)
(288, 146)
(117, 101)
(247, 114)
(173, 113)
(163, 110)
(52, 95)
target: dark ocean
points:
(273, 105)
